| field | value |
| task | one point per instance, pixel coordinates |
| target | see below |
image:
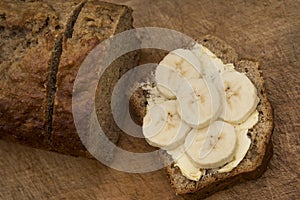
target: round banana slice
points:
(162, 126)
(210, 64)
(178, 65)
(167, 81)
(184, 62)
(198, 102)
(211, 147)
(240, 97)
(243, 144)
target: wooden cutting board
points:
(266, 31)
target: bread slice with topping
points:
(254, 163)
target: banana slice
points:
(177, 65)
(213, 146)
(162, 126)
(167, 81)
(243, 142)
(240, 97)
(198, 102)
(185, 63)
(210, 64)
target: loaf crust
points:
(260, 151)
(44, 43)
(107, 19)
(27, 32)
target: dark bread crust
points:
(28, 34)
(260, 152)
(96, 22)
(43, 43)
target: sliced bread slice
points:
(254, 163)
(95, 22)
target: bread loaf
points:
(43, 44)
(28, 36)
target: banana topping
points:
(162, 126)
(198, 103)
(200, 111)
(241, 97)
(173, 69)
(213, 146)
(243, 142)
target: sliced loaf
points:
(43, 44)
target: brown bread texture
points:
(107, 20)
(260, 151)
(28, 35)
(43, 44)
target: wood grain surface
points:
(267, 31)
